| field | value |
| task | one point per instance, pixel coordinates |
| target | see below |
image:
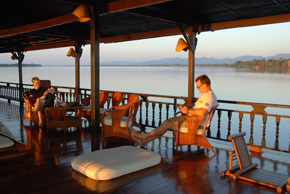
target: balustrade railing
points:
(267, 125)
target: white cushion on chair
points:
(88, 108)
(185, 130)
(108, 121)
(114, 162)
(103, 110)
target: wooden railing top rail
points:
(251, 112)
(255, 104)
(63, 87)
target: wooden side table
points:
(63, 117)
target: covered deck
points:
(47, 169)
(33, 26)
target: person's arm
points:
(30, 94)
(199, 111)
(190, 106)
(45, 93)
(50, 90)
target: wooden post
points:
(78, 49)
(191, 65)
(191, 70)
(20, 57)
(191, 41)
(95, 72)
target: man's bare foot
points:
(142, 142)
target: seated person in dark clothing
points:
(39, 94)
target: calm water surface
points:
(227, 83)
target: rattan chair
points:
(132, 98)
(191, 135)
(247, 171)
(117, 98)
(86, 102)
(114, 100)
(29, 103)
(118, 121)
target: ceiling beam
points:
(153, 34)
(120, 5)
(245, 23)
(51, 46)
(201, 28)
(38, 25)
(143, 35)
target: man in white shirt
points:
(202, 106)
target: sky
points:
(265, 40)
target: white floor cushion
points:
(114, 162)
(4, 141)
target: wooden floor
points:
(46, 169)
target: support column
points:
(20, 57)
(191, 65)
(95, 72)
(79, 51)
(192, 42)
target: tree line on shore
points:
(271, 63)
(262, 65)
(23, 65)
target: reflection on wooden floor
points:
(47, 168)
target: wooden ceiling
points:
(41, 24)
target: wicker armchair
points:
(192, 135)
(115, 100)
(132, 97)
(118, 121)
(29, 103)
(103, 97)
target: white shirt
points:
(207, 101)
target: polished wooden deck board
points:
(47, 168)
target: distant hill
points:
(198, 61)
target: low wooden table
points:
(63, 117)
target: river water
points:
(227, 83)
